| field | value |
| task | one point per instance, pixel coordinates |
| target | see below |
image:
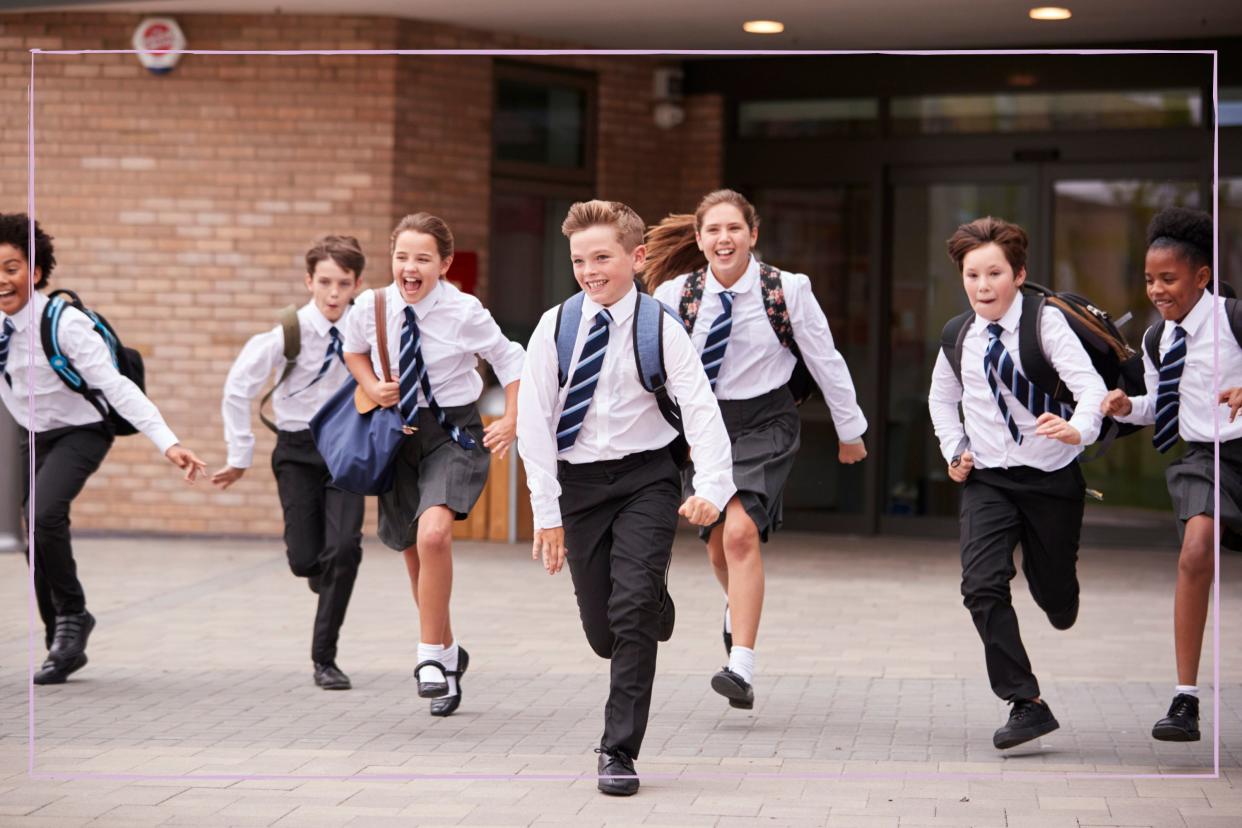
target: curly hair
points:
(15, 231)
(1188, 232)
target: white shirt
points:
(293, 404)
(453, 327)
(755, 362)
(55, 405)
(1197, 403)
(623, 417)
(990, 440)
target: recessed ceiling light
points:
(1050, 13)
(763, 26)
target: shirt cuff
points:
(241, 457)
(547, 513)
(851, 430)
(163, 438)
(715, 493)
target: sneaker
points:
(69, 640)
(1027, 720)
(617, 776)
(1182, 723)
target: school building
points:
(181, 203)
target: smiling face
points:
(331, 288)
(1174, 286)
(726, 241)
(989, 281)
(603, 268)
(14, 279)
(416, 265)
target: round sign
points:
(158, 41)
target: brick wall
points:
(182, 204)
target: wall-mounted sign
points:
(158, 41)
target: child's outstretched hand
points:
(498, 436)
(851, 452)
(1056, 428)
(1232, 397)
(227, 476)
(1116, 403)
(183, 458)
(550, 544)
(698, 511)
(960, 470)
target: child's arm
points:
(250, 371)
(1139, 410)
(943, 399)
(483, 336)
(1067, 355)
(359, 338)
(498, 436)
(537, 395)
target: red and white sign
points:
(158, 41)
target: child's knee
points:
(434, 539)
(51, 518)
(741, 538)
(1196, 560)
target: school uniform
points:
(1029, 492)
(1197, 416)
(750, 383)
(443, 463)
(71, 438)
(609, 478)
(323, 523)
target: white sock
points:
(449, 660)
(728, 627)
(1188, 689)
(430, 652)
(742, 662)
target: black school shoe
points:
(1065, 619)
(329, 677)
(430, 689)
(447, 705)
(1027, 720)
(54, 672)
(1182, 723)
(69, 639)
(734, 688)
(617, 776)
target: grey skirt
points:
(765, 433)
(1192, 491)
(432, 470)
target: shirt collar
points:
(318, 322)
(1008, 322)
(620, 310)
(743, 285)
(1199, 314)
(34, 307)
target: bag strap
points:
(292, 332)
(952, 340)
(381, 332)
(1151, 343)
(1233, 309)
(1035, 364)
(49, 332)
(649, 355)
(691, 296)
(774, 303)
(568, 320)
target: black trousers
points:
(323, 533)
(65, 458)
(620, 517)
(1000, 509)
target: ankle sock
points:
(430, 652)
(742, 662)
(1188, 689)
(449, 660)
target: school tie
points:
(582, 384)
(1002, 373)
(6, 334)
(414, 376)
(334, 350)
(1168, 400)
(718, 339)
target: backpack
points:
(648, 356)
(127, 360)
(1151, 338)
(1119, 365)
(800, 385)
(292, 330)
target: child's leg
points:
(1051, 528)
(343, 512)
(300, 474)
(410, 554)
(435, 573)
(745, 582)
(716, 556)
(1195, 569)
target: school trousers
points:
(323, 533)
(620, 517)
(1002, 508)
(65, 458)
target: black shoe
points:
(1182, 723)
(314, 582)
(617, 776)
(734, 688)
(430, 689)
(447, 705)
(668, 617)
(329, 677)
(69, 640)
(1065, 619)
(724, 631)
(1027, 720)
(53, 672)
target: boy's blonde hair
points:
(622, 218)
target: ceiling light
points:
(1050, 13)
(763, 26)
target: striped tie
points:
(1168, 400)
(334, 350)
(718, 339)
(414, 376)
(1002, 373)
(582, 384)
(6, 334)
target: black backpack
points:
(127, 360)
(1119, 365)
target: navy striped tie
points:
(414, 377)
(6, 335)
(334, 350)
(1168, 400)
(718, 339)
(582, 384)
(1002, 373)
